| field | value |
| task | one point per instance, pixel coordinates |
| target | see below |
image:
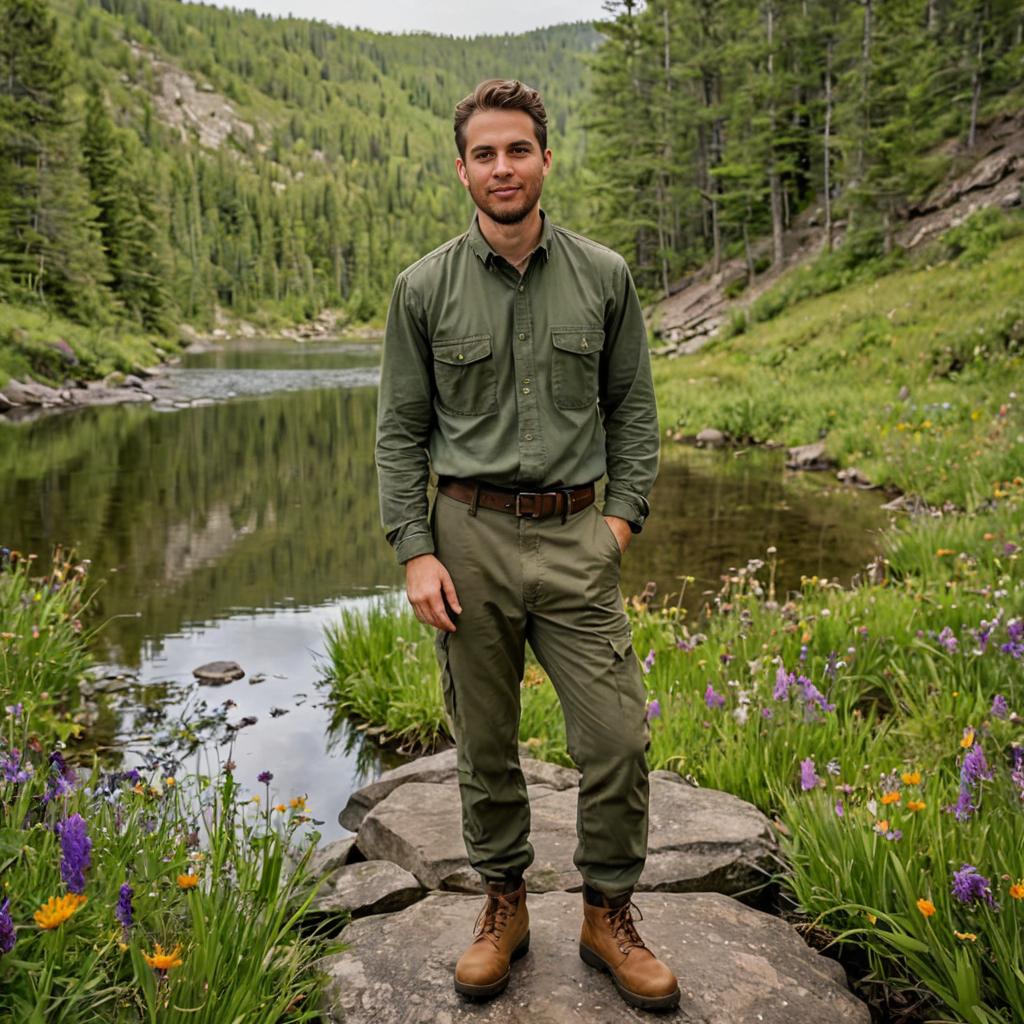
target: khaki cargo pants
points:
(555, 586)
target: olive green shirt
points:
(518, 381)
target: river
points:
(238, 520)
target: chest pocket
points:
(575, 366)
(467, 384)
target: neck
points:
(512, 241)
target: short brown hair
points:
(501, 94)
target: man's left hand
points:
(621, 529)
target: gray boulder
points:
(370, 887)
(217, 673)
(735, 966)
(698, 839)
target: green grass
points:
(29, 347)
(949, 329)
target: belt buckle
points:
(533, 513)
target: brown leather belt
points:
(554, 501)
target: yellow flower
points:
(965, 935)
(872, 918)
(162, 961)
(915, 805)
(298, 802)
(170, 781)
(941, 552)
(967, 739)
(1017, 890)
(926, 907)
(188, 881)
(57, 909)
(911, 778)
(254, 799)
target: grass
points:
(946, 331)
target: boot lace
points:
(620, 920)
(493, 918)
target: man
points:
(516, 362)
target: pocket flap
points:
(580, 340)
(463, 350)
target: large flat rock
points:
(370, 887)
(698, 840)
(735, 966)
(441, 768)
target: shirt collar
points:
(479, 244)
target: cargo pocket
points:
(576, 363)
(467, 384)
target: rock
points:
(216, 673)
(440, 768)
(699, 839)
(735, 966)
(854, 477)
(808, 456)
(131, 381)
(370, 887)
(331, 857)
(709, 437)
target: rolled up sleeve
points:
(404, 421)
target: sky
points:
(447, 17)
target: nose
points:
(502, 166)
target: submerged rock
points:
(735, 965)
(216, 673)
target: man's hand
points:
(428, 585)
(621, 529)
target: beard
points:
(506, 211)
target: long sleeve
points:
(404, 420)
(629, 408)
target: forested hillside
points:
(159, 159)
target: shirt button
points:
(460, 356)
(526, 380)
(528, 437)
(522, 287)
(526, 391)
(522, 337)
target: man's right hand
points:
(428, 585)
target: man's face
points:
(504, 168)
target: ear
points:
(547, 161)
(460, 170)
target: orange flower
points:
(882, 826)
(965, 935)
(1017, 890)
(911, 778)
(967, 739)
(162, 961)
(915, 805)
(926, 907)
(298, 802)
(280, 807)
(57, 909)
(872, 918)
(941, 552)
(892, 797)
(188, 881)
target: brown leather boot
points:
(609, 941)
(502, 935)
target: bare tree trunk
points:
(748, 255)
(778, 253)
(976, 76)
(933, 16)
(827, 144)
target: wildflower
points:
(7, 937)
(648, 662)
(61, 779)
(839, 809)
(712, 699)
(892, 796)
(265, 777)
(767, 713)
(188, 881)
(808, 776)
(964, 806)
(280, 808)
(783, 680)
(75, 845)
(881, 826)
(968, 737)
(926, 907)
(298, 803)
(813, 696)
(915, 805)
(911, 778)
(1017, 890)
(57, 909)
(11, 770)
(833, 767)
(948, 640)
(1009, 548)
(123, 910)
(161, 961)
(1000, 709)
(872, 918)
(970, 886)
(1015, 645)
(975, 768)
(170, 781)
(966, 936)
(15, 710)
(653, 710)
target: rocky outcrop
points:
(368, 887)
(734, 965)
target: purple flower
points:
(975, 768)
(893, 835)
(970, 887)
(1009, 548)
(767, 713)
(1000, 709)
(725, 657)
(11, 770)
(653, 709)
(1017, 773)
(62, 777)
(648, 662)
(712, 699)
(831, 664)
(948, 639)
(783, 680)
(839, 809)
(964, 806)
(813, 696)
(803, 652)
(1015, 645)
(983, 632)
(7, 937)
(15, 710)
(123, 910)
(265, 777)
(808, 776)
(75, 845)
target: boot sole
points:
(669, 1002)
(481, 992)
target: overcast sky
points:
(448, 17)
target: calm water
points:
(239, 529)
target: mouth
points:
(505, 192)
